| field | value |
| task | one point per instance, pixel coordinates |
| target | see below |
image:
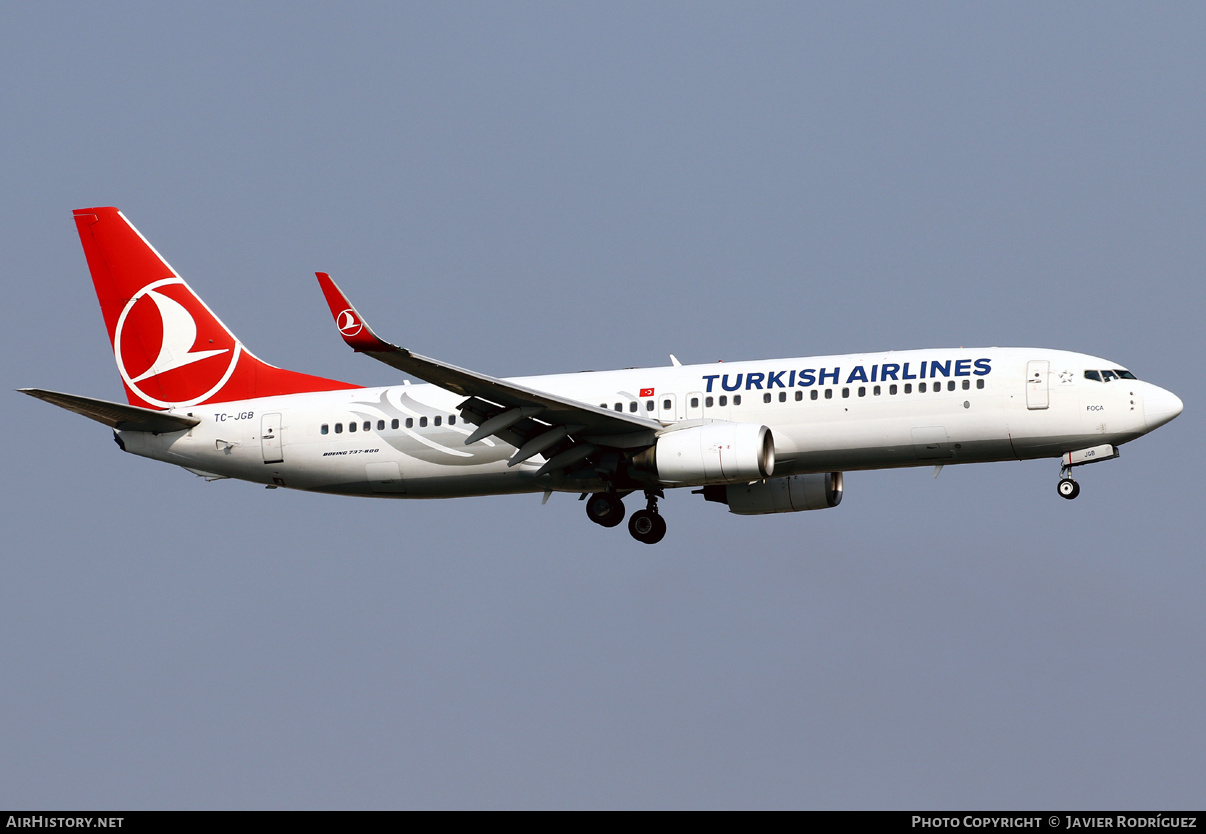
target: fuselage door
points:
(666, 411)
(1037, 374)
(695, 406)
(271, 442)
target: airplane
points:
(765, 436)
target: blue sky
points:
(539, 188)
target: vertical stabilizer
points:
(171, 350)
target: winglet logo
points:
(172, 372)
(349, 323)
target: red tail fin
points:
(171, 350)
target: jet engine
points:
(792, 494)
(714, 453)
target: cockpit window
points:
(1094, 375)
(1124, 374)
(1106, 376)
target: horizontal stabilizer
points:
(116, 415)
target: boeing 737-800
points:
(767, 436)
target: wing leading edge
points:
(534, 421)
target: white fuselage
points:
(871, 411)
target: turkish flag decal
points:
(646, 392)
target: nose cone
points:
(1160, 406)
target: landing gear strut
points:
(647, 526)
(1067, 488)
(605, 508)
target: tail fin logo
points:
(170, 349)
(349, 323)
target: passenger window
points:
(632, 406)
(892, 389)
(602, 405)
(325, 428)
(966, 384)
(437, 420)
(368, 425)
(766, 397)
(736, 399)
(422, 422)
(380, 425)
(875, 390)
(339, 428)
(908, 388)
(695, 402)
(666, 405)
(921, 388)
(814, 393)
(410, 422)
(782, 396)
(452, 419)
(351, 427)
(707, 402)
(724, 400)
(799, 396)
(649, 405)
(950, 386)
(393, 424)
(979, 383)
(829, 393)
(619, 406)
(862, 391)
(845, 393)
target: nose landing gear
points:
(1068, 488)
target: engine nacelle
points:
(792, 494)
(714, 453)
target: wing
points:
(566, 431)
(116, 415)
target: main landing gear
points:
(646, 526)
(605, 508)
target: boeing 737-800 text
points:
(767, 436)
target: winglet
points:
(352, 326)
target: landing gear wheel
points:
(605, 508)
(1068, 488)
(647, 527)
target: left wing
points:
(567, 431)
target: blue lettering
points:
(905, 373)
(982, 368)
(710, 378)
(808, 377)
(821, 379)
(922, 374)
(753, 381)
(945, 367)
(963, 367)
(889, 372)
(874, 368)
(724, 383)
(774, 379)
(791, 380)
(857, 375)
